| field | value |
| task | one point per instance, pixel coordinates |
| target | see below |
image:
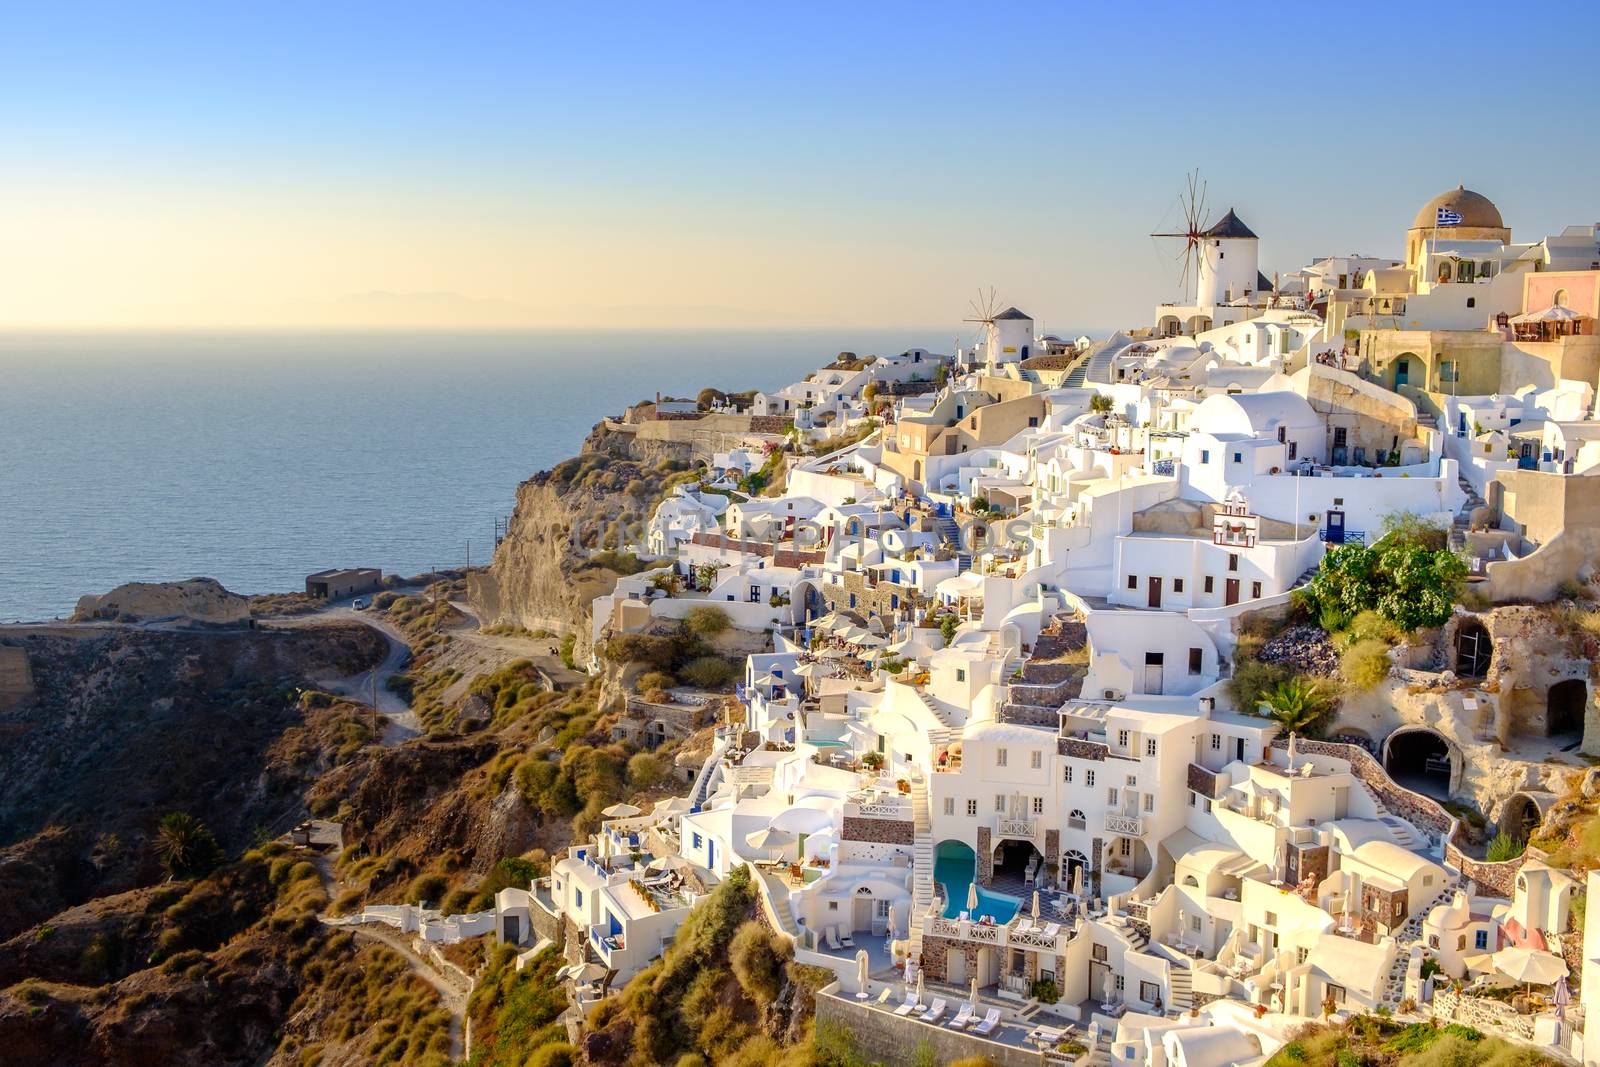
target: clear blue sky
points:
(744, 164)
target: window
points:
(1066, 775)
(1149, 746)
(697, 840)
(1480, 940)
(1122, 983)
(1149, 802)
(1122, 739)
(999, 757)
(1148, 992)
(1038, 805)
(949, 805)
(1099, 953)
(1238, 457)
(1133, 581)
(578, 896)
(833, 905)
(755, 594)
(961, 676)
(1177, 585)
(1111, 795)
(1076, 820)
(1216, 742)
(1210, 583)
(1131, 780)
(972, 809)
(1205, 455)
(1125, 846)
(1255, 590)
(1036, 759)
(1088, 778)
(1283, 433)
(1000, 803)
(1271, 918)
(1194, 661)
(1472, 301)
(1294, 447)
(1233, 561)
(1336, 993)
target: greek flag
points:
(1447, 217)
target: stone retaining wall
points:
(1492, 1016)
(896, 1041)
(879, 831)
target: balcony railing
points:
(1015, 827)
(1129, 825)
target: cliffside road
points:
(403, 722)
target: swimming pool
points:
(953, 865)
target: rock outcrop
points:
(196, 600)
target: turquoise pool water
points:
(823, 742)
(952, 869)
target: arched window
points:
(1076, 820)
(1560, 299)
(1191, 881)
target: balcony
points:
(1127, 825)
(1006, 827)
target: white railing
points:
(1131, 825)
(1015, 827)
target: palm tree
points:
(185, 845)
(1296, 704)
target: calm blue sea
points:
(258, 458)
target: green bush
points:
(568, 643)
(1502, 847)
(707, 672)
(653, 680)
(1364, 664)
(427, 888)
(948, 625)
(707, 621)
(1406, 576)
(645, 770)
(757, 959)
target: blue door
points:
(711, 854)
(1402, 373)
(1335, 528)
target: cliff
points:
(543, 576)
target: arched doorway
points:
(1564, 705)
(1473, 648)
(1074, 871)
(1420, 760)
(1520, 817)
(1014, 861)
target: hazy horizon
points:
(188, 167)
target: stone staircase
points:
(1463, 520)
(949, 533)
(1404, 834)
(1036, 698)
(1394, 982)
(921, 860)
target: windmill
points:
(984, 309)
(1192, 203)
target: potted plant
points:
(902, 785)
(873, 760)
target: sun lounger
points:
(1024, 925)
(883, 998)
(1052, 929)
(963, 1017)
(845, 939)
(935, 1011)
(991, 1020)
(908, 1005)
(830, 937)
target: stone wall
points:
(1492, 1016)
(884, 598)
(1080, 749)
(781, 557)
(985, 857)
(1203, 781)
(546, 925)
(879, 831)
(896, 1041)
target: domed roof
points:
(1475, 209)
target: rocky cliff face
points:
(542, 577)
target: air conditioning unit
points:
(1111, 694)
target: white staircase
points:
(1182, 983)
(778, 896)
(1394, 983)
(921, 860)
(1403, 833)
(933, 706)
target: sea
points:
(258, 458)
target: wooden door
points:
(1233, 591)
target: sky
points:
(751, 165)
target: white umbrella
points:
(872, 641)
(769, 679)
(1035, 903)
(1077, 881)
(1553, 313)
(589, 972)
(619, 811)
(672, 806)
(861, 973)
(920, 994)
(803, 820)
(669, 863)
(974, 997)
(1530, 966)
(767, 837)
(972, 897)
(809, 670)
(833, 653)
